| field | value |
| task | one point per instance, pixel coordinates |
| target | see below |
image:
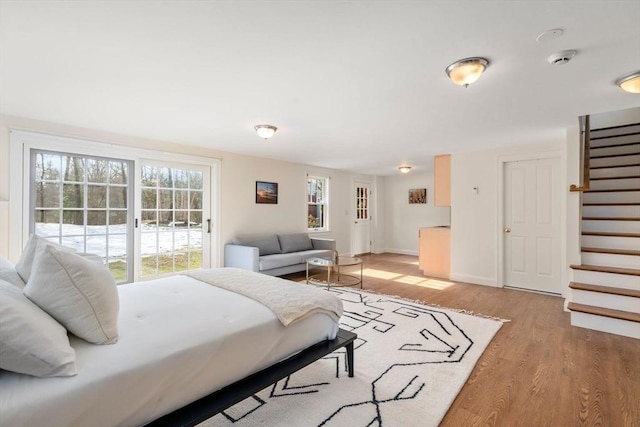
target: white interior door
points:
(362, 218)
(532, 225)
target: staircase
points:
(605, 292)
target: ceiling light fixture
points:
(466, 71)
(265, 131)
(404, 169)
(630, 82)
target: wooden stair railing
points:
(585, 142)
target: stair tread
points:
(613, 204)
(606, 312)
(611, 218)
(615, 166)
(609, 234)
(604, 269)
(612, 190)
(604, 178)
(611, 251)
(620, 144)
(635, 293)
(610, 156)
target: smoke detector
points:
(560, 58)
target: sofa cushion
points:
(269, 262)
(294, 242)
(316, 253)
(267, 244)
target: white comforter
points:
(179, 339)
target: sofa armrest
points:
(244, 257)
(326, 244)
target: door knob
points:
(507, 230)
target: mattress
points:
(179, 339)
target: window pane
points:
(149, 218)
(96, 196)
(195, 259)
(165, 218)
(97, 170)
(47, 222)
(47, 167)
(118, 197)
(118, 172)
(165, 199)
(195, 199)
(181, 178)
(117, 219)
(73, 195)
(195, 219)
(97, 245)
(97, 220)
(149, 177)
(149, 198)
(47, 195)
(75, 218)
(165, 178)
(182, 199)
(73, 168)
(195, 180)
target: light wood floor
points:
(538, 370)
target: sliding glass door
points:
(144, 218)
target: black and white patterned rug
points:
(411, 360)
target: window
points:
(317, 203)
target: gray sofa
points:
(276, 254)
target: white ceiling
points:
(356, 85)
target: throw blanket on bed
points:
(290, 301)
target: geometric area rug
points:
(411, 360)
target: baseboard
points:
(476, 280)
(398, 251)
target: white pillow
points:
(8, 273)
(31, 341)
(78, 293)
(23, 266)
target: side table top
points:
(329, 262)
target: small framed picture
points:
(267, 192)
(417, 195)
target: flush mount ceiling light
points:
(466, 71)
(265, 131)
(404, 169)
(630, 82)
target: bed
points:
(180, 341)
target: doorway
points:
(362, 218)
(531, 225)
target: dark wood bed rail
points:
(216, 402)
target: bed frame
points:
(208, 406)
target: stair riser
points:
(596, 133)
(612, 211)
(611, 242)
(599, 299)
(615, 184)
(616, 197)
(620, 171)
(623, 281)
(606, 324)
(611, 161)
(611, 260)
(621, 149)
(611, 226)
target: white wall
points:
(403, 220)
(237, 212)
(475, 227)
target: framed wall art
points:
(417, 195)
(267, 192)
